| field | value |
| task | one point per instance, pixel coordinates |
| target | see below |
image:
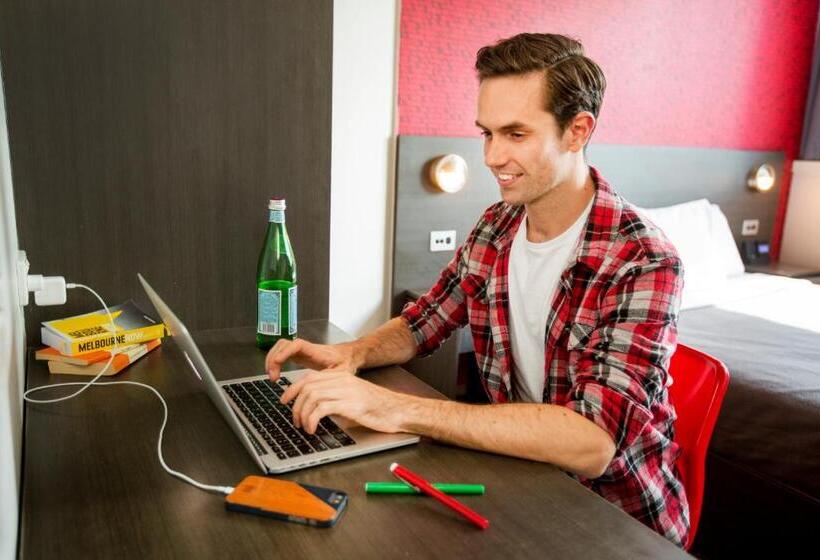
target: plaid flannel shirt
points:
(611, 331)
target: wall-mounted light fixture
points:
(761, 178)
(449, 173)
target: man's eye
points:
(486, 133)
(516, 135)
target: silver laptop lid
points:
(200, 367)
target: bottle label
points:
(269, 312)
(277, 216)
(292, 310)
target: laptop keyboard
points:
(259, 400)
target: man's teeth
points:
(505, 176)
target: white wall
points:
(12, 353)
(362, 162)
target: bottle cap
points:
(276, 204)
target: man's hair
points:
(574, 83)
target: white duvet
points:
(788, 301)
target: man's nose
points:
(494, 154)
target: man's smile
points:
(507, 179)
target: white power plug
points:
(48, 290)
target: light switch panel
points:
(443, 240)
(750, 227)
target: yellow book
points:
(93, 331)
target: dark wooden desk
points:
(93, 488)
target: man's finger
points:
(324, 408)
(311, 398)
(293, 390)
(298, 403)
(308, 393)
(271, 353)
(279, 354)
(317, 387)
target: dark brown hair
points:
(574, 83)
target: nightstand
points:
(783, 269)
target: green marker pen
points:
(401, 488)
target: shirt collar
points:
(602, 224)
(599, 231)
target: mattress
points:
(767, 331)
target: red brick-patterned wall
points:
(711, 73)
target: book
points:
(93, 331)
(47, 353)
(121, 361)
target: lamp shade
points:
(449, 173)
(762, 178)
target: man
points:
(571, 298)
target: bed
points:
(763, 473)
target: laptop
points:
(251, 407)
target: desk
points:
(93, 488)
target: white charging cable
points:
(84, 386)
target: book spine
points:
(50, 338)
(106, 341)
(119, 363)
(86, 358)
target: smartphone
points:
(288, 501)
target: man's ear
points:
(579, 130)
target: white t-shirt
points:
(534, 272)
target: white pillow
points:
(690, 227)
(725, 244)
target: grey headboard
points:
(648, 176)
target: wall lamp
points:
(761, 178)
(448, 173)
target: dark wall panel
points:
(649, 176)
(148, 135)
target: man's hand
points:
(319, 394)
(313, 356)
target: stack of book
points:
(83, 344)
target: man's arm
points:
(540, 432)
(392, 343)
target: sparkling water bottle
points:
(276, 281)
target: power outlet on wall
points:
(750, 227)
(443, 240)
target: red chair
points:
(699, 384)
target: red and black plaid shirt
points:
(611, 331)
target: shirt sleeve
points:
(434, 316)
(623, 368)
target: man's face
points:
(523, 146)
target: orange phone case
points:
(286, 500)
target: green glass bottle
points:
(276, 282)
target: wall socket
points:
(443, 240)
(750, 227)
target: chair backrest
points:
(699, 384)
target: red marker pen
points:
(416, 481)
